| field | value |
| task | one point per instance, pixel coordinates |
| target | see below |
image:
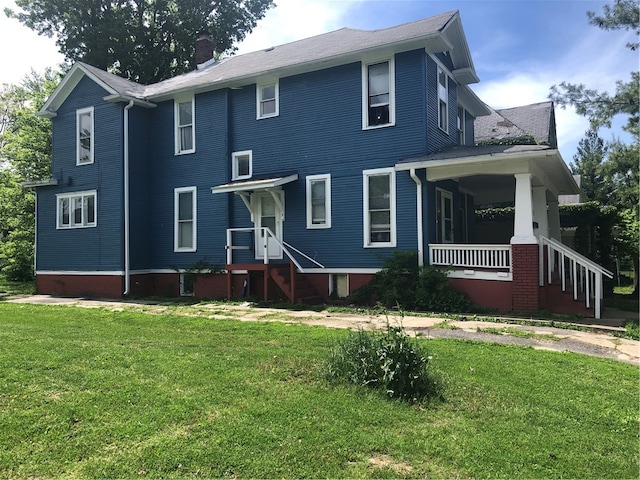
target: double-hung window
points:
(378, 100)
(462, 131)
(185, 219)
(443, 100)
(84, 141)
(241, 165)
(76, 210)
(267, 96)
(185, 133)
(379, 200)
(319, 201)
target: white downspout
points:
(127, 273)
(412, 172)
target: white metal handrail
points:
(584, 275)
(267, 237)
(471, 256)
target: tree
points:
(143, 40)
(25, 151)
(620, 170)
(588, 163)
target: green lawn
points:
(94, 393)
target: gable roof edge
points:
(66, 86)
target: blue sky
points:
(519, 47)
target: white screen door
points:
(268, 214)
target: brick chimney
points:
(204, 48)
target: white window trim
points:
(392, 206)
(176, 115)
(69, 196)
(442, 193)
(440, 69)
(327, 201)
(176, 230)
(259, 87)
(462, 130)
(234, 164)
(365, 94)
(80, 112)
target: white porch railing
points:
(267, 238)
(584, 276)
(471, 256)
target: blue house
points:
(293, 172)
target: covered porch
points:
(532, 269)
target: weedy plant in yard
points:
(387, 360)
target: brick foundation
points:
(526, 291)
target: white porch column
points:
(554, 221)
(540, 215)
(523, 221)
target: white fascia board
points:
(501, 162)
(471, 102)
(80, 272)
(248, 185)
(47, 182)
(125, 98)
(66, 86)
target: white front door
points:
(268, 213)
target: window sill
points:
(376, 127)
(186, 152)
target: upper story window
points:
(76, 210)
(462, 130)
(84, 142)
(185, 125)
(267, 98)
(319, 201)
(379, 201)
(185, 219)
(242, 165)
(443, 100)
(378, 99)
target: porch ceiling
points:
(488, 171)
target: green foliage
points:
(389, 361)
(588, 163)
(25, 149)
(402, 283)
(147, 40)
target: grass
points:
(94, 393)
(8, 287)
(516, 332)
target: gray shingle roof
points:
(536, 120)
(118, 84)
(305, 55)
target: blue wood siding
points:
(84, 249)
(207, 167)
(318, 131)
(140, 210)
(438, 139)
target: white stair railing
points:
(584, 275)
(267, 237)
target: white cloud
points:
(23, 49)
(292, 20)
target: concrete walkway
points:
(594, 339)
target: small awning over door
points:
(254, 184)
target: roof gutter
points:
(116, 97)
